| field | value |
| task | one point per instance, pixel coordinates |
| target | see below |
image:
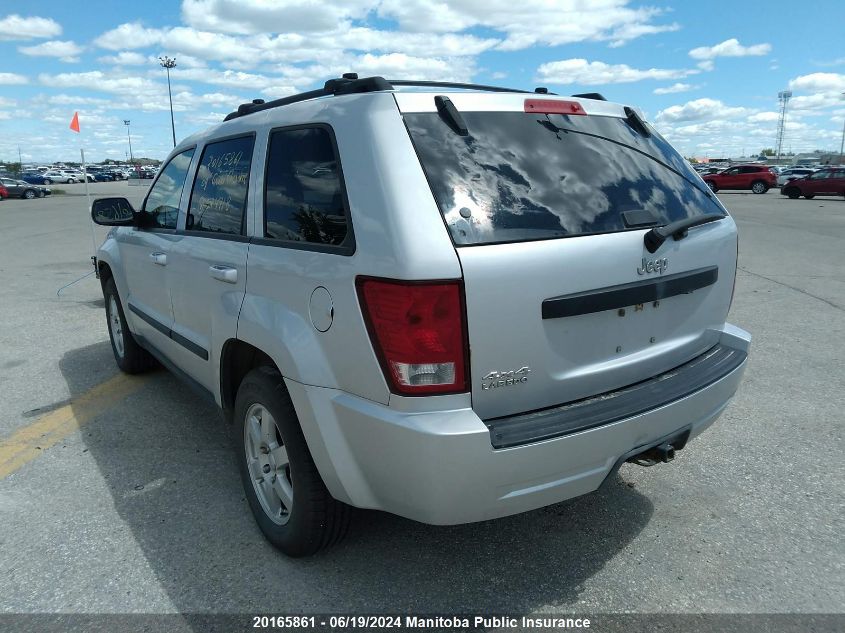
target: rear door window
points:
(304, 198)
(526, 176)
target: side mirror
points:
(113, 212)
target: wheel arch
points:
(237, 359)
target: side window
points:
(820, 175)
(303, 199)
(732, 172)
(162, 204)
(218, 201)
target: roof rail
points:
(350, 84)
(344, 85)
(449, 84)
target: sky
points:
(705, 73)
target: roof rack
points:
(349, 83)
(449, 84)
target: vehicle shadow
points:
(166, 457)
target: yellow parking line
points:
(29, 442)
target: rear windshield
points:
(526, 176)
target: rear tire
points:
(758, 186)
(287, 496)
(129, 356)
(47, 181)
(712, 186)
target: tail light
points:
(418, 331)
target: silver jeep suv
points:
(446, 301)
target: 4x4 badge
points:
(496, 379)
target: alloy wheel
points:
(268, 464)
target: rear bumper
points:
(440, 467)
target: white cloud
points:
(700, 110)
(9, 79)
(129, 35)
(706, 65)
(392, 66)
(583, 72)
(230, 78)
(676, 87)
(125, 58)
(764, 117)
(530, 22)
(16, 27)
(819, 82)
(66, 51)
(729, 48)
(280, 16)
(101, 82)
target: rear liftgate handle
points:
(224, 273)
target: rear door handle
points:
(159, 258)
(224, 273)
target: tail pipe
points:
(662, 453)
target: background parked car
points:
(21, 189)
(824, 182)
(3, 193)
(35, 179)
(57, 176)
(757, 178)
(792, 173)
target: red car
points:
(4, 193)
(825, 182)
(758, 178)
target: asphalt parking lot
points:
(140, 509)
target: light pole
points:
(842, 144)
(783, 97)
(167, 63)
(129, 136)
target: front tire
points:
(129, 356)
(47, 181)
(29, 194)
(759, 187)
(712, 186)
(793, 193)
(287, 496)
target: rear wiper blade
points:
(449, 113)
(678, 230)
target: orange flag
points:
(74, 124)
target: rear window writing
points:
(525, 176)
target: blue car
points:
(34, 179)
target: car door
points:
(818, 183)
(14, 189)
(207, 278)
(145, 251)
(839, 182)
(729, 179)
